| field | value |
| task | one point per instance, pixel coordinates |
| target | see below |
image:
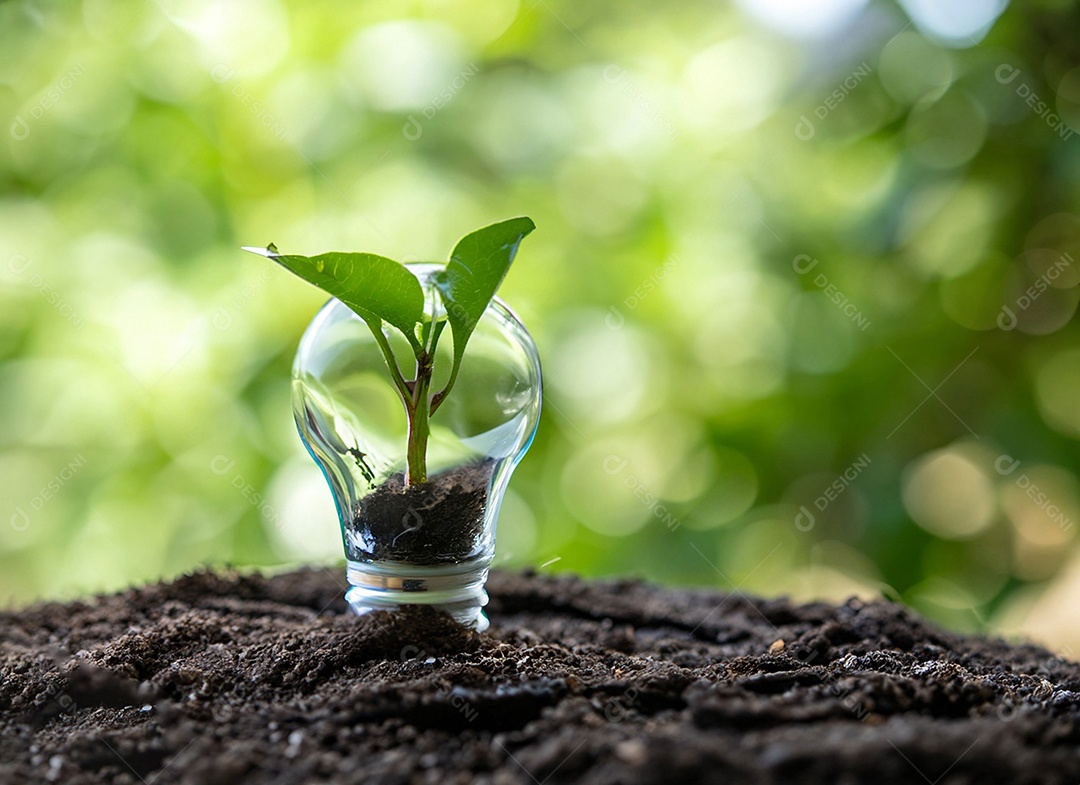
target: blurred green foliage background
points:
(804, 282)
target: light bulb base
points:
(457, 589)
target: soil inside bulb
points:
(440, 521)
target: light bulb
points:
(429, 543)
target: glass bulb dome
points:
(429, 543)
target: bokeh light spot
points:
(947, 494)
(1057, 386)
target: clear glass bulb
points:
(429, 543)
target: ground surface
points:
(226, 679)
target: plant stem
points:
(391, 363)
(419, 410)
(416, 397)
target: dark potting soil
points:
(242, 679)
(440, 521)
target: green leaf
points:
(476, 268)
(375, 287)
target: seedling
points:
(385, 295)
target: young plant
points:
(384, 293)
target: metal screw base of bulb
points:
(457, 589)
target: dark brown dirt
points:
(229, 679)
(440, 521)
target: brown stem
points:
(418, 410)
